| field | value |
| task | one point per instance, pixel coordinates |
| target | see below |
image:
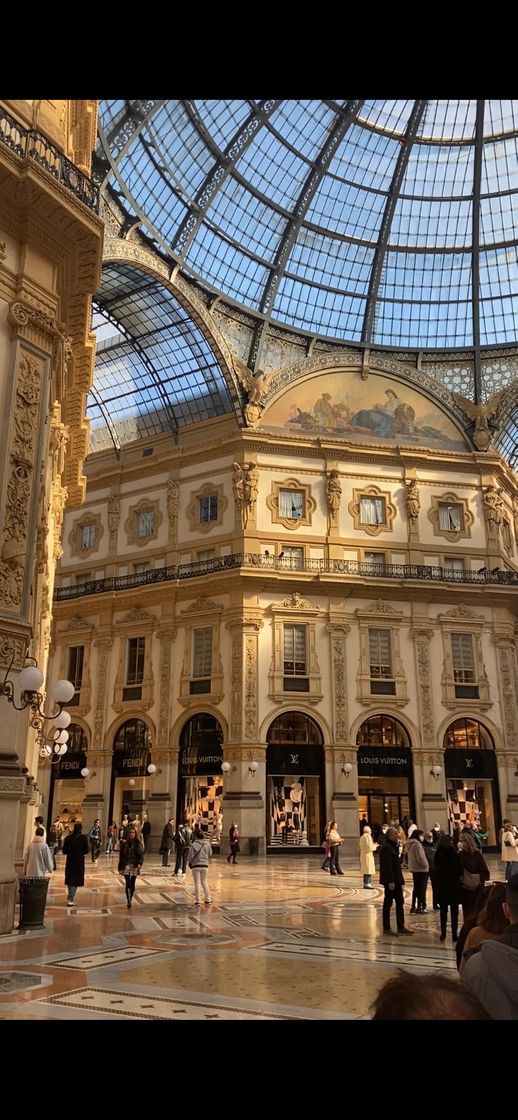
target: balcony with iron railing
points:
(253, 562)
(29, 144)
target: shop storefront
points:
(472, 778)
(200, 778)
(130, 779)
(385, 773)
(67, 787)
(295, 788)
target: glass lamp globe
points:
(151, 768)
(60, 749)
(62, 720)
(131, 782)
(62, 692)
(31, 679)
(63, 737)
(46, 752)
(85, 773)
(225, 766)
(253, 767)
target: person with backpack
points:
(182, 842)
(200, 852)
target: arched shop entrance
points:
(385, 774)
(472, 777)
(200, 779)
(67, 787)
(130, 779)
(295, 786)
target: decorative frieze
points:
(166, 636)
(20, 478)
(422, 638)
(104, 645)
(338, 632)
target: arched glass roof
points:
(154, 368)
(388, 223)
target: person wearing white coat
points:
(509, 850)
(367, 849)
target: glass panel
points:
(202, 653)
(295, 650)
(87, 538)
(450, 518)
(208, 509)
(135, 671)
(75, 666)
(146, 524)
(291, 503)
(463, 662)
(372, 511)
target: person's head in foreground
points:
(432, 996)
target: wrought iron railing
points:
(28, 143)
(277, 564)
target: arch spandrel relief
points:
(342, 404)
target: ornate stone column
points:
(104, 645)
(243, 797)
(430, 795)
(505, 650)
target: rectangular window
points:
(208, 508)
(87, 536)
(138, 568)
(75, 666)
(375, 561)
(206, 554)
(463, 661)
(295, 659)
(135, 665)
(202, 652)
(291, 504)
(372, 511)
(507, 536)
(454, 566)
(292, 558)
(145, 523)
(380, 656)
(83, 577)
(450, 518)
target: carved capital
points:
(420, 634)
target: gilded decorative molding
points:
(295, 602)
(507, 678)
(104, 645)
(251, 684)
(77, 623)
(173, 505)
(378, 607)
(10, 644)
(462, 611)
(114, 514)
(422, 638)
(338, 634)
(200, 605)
(20, 480)
(138, 614)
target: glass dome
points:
(392, 223)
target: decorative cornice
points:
(420, 634)
(378, 607)
(200, 605)
(137, 614)
(462, 611)
(295, 603)
(244, 624)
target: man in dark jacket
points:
(430, 848)
(167, 841)
(391, 876)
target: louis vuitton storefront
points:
(295, 794)
(385, 774)
(472, 778)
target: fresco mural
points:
(342, 404)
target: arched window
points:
(468, 734)
(77, 739)
(132, 737)
(382, 731)
(201, 730)
(295, 728)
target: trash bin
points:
(253, 846)
(33, 900)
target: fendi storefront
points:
(385, 774)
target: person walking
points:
(447, 874)
(418, 866)
(474, 872)
(367, 849)
(233, 835)
(430, 849)
(38, 863)
(200, 852)
(75, 849)
(130, 862)
(166, 842)
(182, 843)
(111, 838)
(391, 877)
(94, 837)
(334, 840)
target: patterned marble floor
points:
(280, 940)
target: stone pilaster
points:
(503, 639)
(166, 636)
(422, 638)
(338, 632)
(104, 645)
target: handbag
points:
(470, 880)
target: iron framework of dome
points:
(387, 225)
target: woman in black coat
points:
(447, 876)
(75, 849)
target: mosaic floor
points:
(280, 940)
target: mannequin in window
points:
(296, 792)
(146, 829)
